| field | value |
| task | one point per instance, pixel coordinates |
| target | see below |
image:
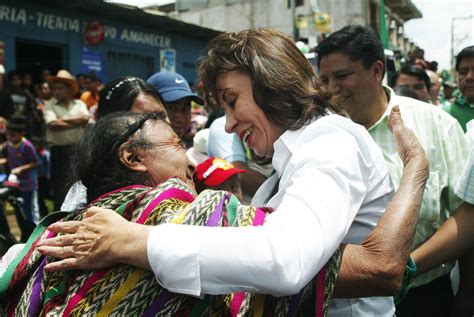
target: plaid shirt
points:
(443, 140)
(465, 186)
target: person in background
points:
(463, 106)
(129, 94)
(455, 237)
(94, 85)
(198, 118)
(415, 78)
(449, 87)
(348, 71)
(21, 102)
(218, 174)
(177, 95)
(66, 119)
(81, 81)
(435, 87)
(45, 74)
(44, 96)
(215, 112)
(12, 96)
(43, 172)
(198, 152)
(22, 161)
(27, 84)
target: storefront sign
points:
(55, 22)
(92, 61)
(168, 60)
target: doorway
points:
(33, 57)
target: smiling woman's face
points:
(166, 157)
(243, 115)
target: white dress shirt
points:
(333, 188)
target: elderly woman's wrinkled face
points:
(166, 156)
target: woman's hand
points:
(102, 239)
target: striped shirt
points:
(446, 148)
(21, 154)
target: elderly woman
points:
(136, 165)
(330, 186)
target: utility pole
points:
(452, 36)
(294, 29)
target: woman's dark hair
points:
(120, 94)
(284, 83)
(97, 157)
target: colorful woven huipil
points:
(123, 290)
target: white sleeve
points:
(320, 202)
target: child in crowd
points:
(22, 161)
(217, 173)
(43, 174)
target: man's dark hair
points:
(355, 41)
(467, 52)
(120, 94)
(96, 160)
(412, 70)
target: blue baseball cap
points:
(173, 87)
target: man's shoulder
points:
(27, 143)
(218, 125)
(410, 107)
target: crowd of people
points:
(361, 190)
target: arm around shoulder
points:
(376, 267)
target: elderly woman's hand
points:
(102, 239)
(409, 148)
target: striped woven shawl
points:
(123, 290)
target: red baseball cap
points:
(215, 171)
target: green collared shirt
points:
(443, 140)
(460, 109)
